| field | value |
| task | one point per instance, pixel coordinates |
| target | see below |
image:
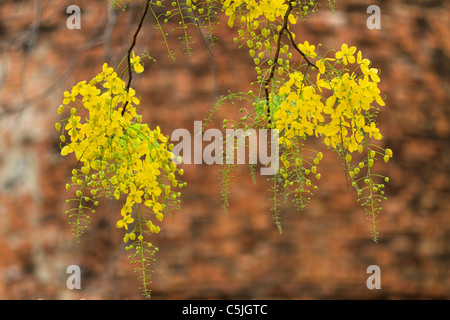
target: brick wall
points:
(323, 251)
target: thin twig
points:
(201, 34)
(130, 75)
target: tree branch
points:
(130, 75)
(284, 27)
(291, 37)
(277, 53)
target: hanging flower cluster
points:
(337, 107)
(119, 158)
(306, 95)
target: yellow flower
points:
(135, 194)
(106, 71)
(346, 53)
(124, 222)
(157, 207)
(373, 73)
(128, 207)
(68, 97)
(373, 131)
(321, 66)
(308, 49)
(74, 123)
(364, 63)
(135, 61)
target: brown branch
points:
(285, 27)
(291, 37)
(130, 75)
(277, 53)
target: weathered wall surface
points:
(323, 252)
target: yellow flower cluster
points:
(334, 107)
(338, 106)
(120, 156)
(254, 9)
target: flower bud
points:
(389, 153)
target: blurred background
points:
(323, 252)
